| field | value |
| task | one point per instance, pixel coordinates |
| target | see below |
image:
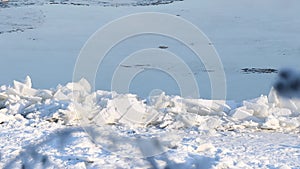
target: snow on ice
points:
(42, 128)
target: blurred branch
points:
(31, 158)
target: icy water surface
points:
(254, 40)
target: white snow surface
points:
(43, 128)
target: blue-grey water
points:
(43, 40)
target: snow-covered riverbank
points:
(46, 125)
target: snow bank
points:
(75, 104)
(181, 133)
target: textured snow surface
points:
(43, 128)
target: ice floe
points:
(135, 127)
(76, 101)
